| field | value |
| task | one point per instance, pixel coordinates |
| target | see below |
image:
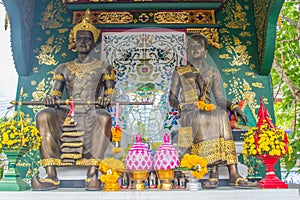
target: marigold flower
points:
(266, 141)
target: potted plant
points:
(18, 135)
(268, 144)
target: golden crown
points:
(86, 25)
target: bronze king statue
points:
(197, 92)
(78, 135)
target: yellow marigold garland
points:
(206, 106)
(116, 133)
(116, 137)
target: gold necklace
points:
(80, 69)
(85, 64)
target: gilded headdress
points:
(85, 25)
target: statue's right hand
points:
(50, 101)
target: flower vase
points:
(12, 180)
(270, 180)
(193, 183)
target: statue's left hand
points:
(103, 102)
(238, 112)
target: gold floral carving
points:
(185, 17)
(250, 74)
(114, 18)
(261, 23)
(41, 91)
(237, 17)
(211, 34)
(258, 85)
(225, 56)
(171, 17)
(203, 16)
(52, 16)
(159, 17)
(231, 70)
(101, 17)
(240, 53)
(46, 53)
(52, 46)
(242, 90)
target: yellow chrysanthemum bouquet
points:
(19, 132)
(265, 139)
(197, 164)
(268, 144)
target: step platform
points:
(221, 193)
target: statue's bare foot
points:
(242, 183)
(211, 183)
(93, 184)
(44, 183)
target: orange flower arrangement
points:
(206, 106)
(116, 137)
(116, 133)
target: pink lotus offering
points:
(166, 157)
(139, 162)
(165, 160)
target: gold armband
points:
(58, 77)
(111, 76)
(233, 106)
(110, 91)
(56, 93)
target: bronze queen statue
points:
(197, 92)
